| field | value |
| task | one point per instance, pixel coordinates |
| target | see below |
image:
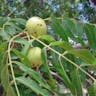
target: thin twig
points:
(76, 65)
(10, 62)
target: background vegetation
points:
(68, 48)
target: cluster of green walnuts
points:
(36, 27)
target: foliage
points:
(66, 65)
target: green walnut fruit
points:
(34, 56)
(36, 26)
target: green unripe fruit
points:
(34, 56)
(36, 26)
